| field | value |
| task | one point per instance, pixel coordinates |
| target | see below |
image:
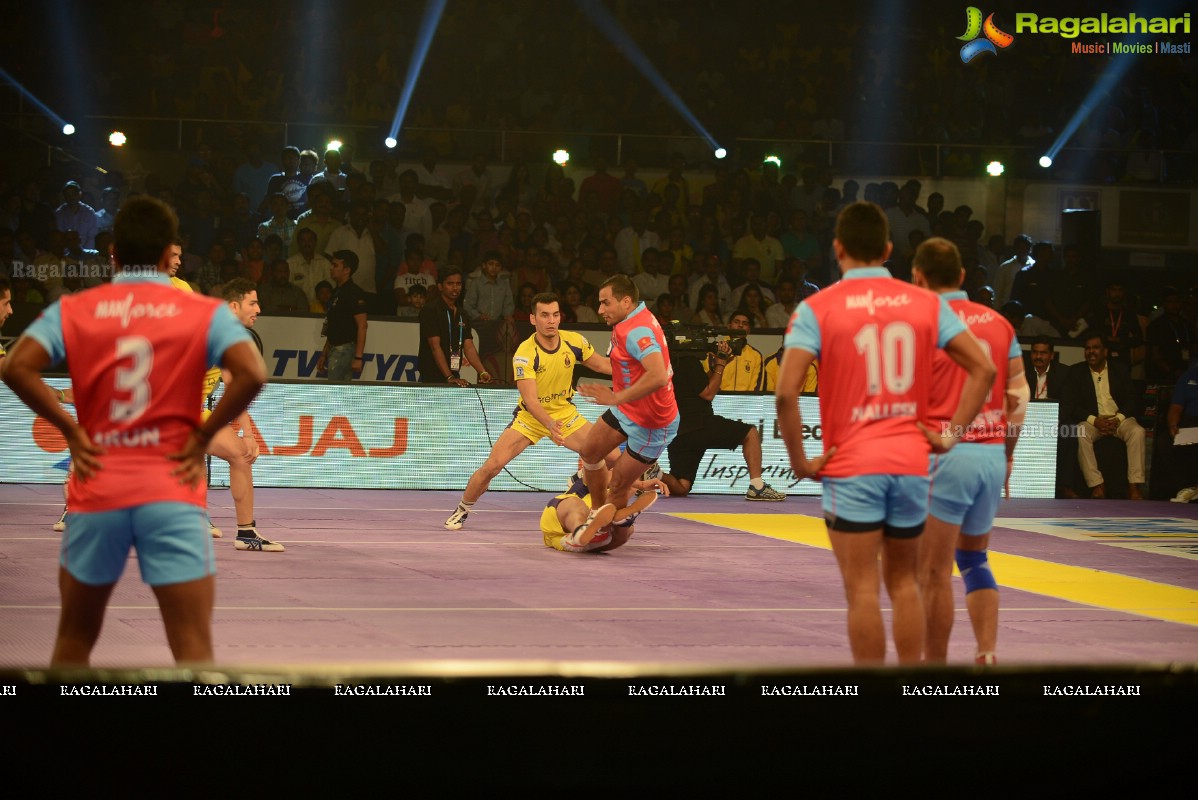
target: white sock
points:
(757, 483)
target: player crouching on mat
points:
(544, 369)
(594, 530)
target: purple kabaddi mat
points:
(371, 578)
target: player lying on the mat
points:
(594, 530)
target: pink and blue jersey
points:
(997, 338)
(876, 338)
(632, 339)
(137, 366)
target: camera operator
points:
(743, 372)
(701, 429)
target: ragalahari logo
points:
(974, 27)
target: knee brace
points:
(975, 570)
(592, 467)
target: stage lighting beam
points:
(424, 39)
(629, 49)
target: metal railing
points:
(934, 159)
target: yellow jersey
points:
(552, 370)
(743, 373)
(810, 380)
(212, 376)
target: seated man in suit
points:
(1046, 376)
(1099, 396)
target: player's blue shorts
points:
(896, 503)
(172, 542)
(967, 485)
(644, 444)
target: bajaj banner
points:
(410, 437)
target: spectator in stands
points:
(1183, 416)
(1030, 286)
(324, 298)
(253, 176)
(1118, 323)
(320, 218)
(652, 282)
(778, 315)
(332, 173)
(904, 217)
(1046, 378)
(417, 217)
(708, 303)
(280, 223)
(713, 273)
(279, 295)
(758, 245)
(477, 176)
(633, 239)
(800, 243)
(110, 202)
(308, 267)
(289, 183)
(1171, 339)
(76, 215)
(1004, 280)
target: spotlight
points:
(994, 169)
(721, 152)
(1045, 161)
(391, 142)
(334, 144)
(561, 157)
(68, 129)
(117, 139)
(777, 162)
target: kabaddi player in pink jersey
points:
(967, 481)
(875, 338)
(138, 447)
(643, 410)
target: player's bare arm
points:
(598, 363)
(791, 375)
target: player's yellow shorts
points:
(551, 527)
(555, 536)
(526, 424)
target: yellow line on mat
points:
(1092, 587)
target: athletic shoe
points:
(215, 531)
(580, 475)
(61, 525)
(1184, 496)
(652, 474)
(626, 516)
(596, 520)
(766, 492)
(985, 659)
(457, 519)
(250, 540)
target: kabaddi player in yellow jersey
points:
(568, 522)
(544, 370)
(239, 451)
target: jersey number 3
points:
(132, 380)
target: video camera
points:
(698, 340)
